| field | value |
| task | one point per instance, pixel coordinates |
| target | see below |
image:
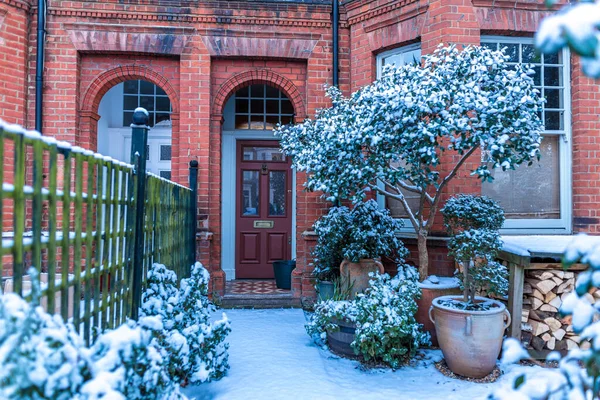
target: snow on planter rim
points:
(501, 307)
(445, 282)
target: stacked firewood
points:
(542, 326)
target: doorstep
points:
(251, 293)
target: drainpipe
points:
(335, 25)
(39, 68)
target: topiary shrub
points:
(365, 231)
(473, 223)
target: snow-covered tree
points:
(474, 223)
(390, 136)
(576, 26)
(569, 380)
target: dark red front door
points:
(263, 209)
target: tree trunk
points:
(423, 255)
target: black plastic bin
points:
(283, 273)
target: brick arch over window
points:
(105, 81)
(88, 126)
(252, 77)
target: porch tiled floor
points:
(252, 286)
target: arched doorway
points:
(114, 132)
(258, 200)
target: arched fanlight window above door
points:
(261, 107)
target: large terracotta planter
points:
(428, 293)
(470, 340)
(358, 273)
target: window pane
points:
(163, 104)
(553, 58)
(277, 193)
(553, 120)
(272, 107)
(130, 87)
(530, 54)
(159, 91)
(272, 92)
(257, 121)
(553, 76)
(554, 98)
(146, 87)
(130, 102)
(272, 121)
(286, 107)
(257, 106)
(243, 92)
(147, 102)
(241, 121)
(241, 106)
(165, 174)
(530, 192)
(162, 117)
(511, 50)
(537, 77)
(127, 118)
(250, 192)
(257, 91)
(287, 119)
(165, 152)
(259, 153)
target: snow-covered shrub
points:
(193, 347)
(474, 223)
(389, 136)
(569, 381)
(128, 364)
(365, 231)
(40, 356)
(208, 349)
(578, 27)
(386, 329)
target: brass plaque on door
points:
(263, 224)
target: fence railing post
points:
(193, 210)
(139, 141)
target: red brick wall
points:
(199, 52)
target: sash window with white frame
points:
(537, 198)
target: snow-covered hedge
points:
(172, 343)
(386, 329)
(194, 346)
(40, 356)
(365, 231)
(569, 380)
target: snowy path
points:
(272, 357)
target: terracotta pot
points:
(358, 273)
(470, 340)
(424, 304)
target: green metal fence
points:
(90, 225)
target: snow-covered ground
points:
(272, 357)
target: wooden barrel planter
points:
(339, 341)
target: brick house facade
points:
(200, 54)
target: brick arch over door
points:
(88, 137)
(252, 77)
